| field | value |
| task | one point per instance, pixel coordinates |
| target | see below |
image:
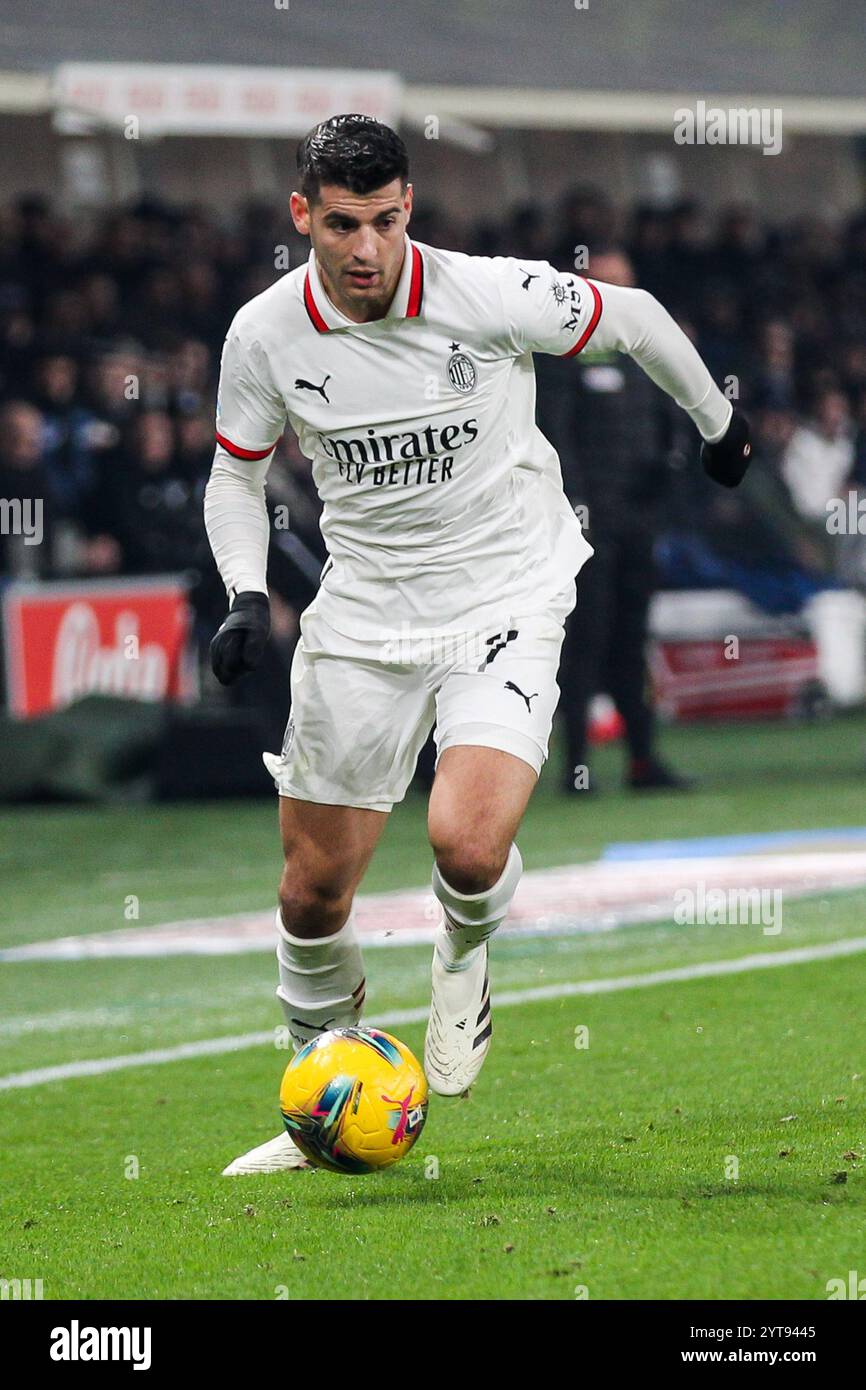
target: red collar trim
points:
(416, 285)
(310, 305)
(414, 300)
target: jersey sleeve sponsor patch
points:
(547, 310)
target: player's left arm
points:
(633, 321)
(564, 313)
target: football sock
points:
(321, 980)
(470, 918)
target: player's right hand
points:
(239, 645)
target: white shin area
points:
(322, 982)
(470, 919)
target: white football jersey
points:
(443, 507)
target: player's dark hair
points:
(354, 152)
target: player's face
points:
(358, 241)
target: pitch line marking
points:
(210, 1047)
(575, 899)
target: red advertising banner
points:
(770, 677)
(124, 637)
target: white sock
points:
(321, 980)
(469, 919)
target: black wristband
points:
(726, 461)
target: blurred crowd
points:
(110, 335)
(110, 338)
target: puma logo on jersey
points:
(525, 285)
(509, 685)
(301, 385)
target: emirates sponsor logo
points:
(408, 447)
(82, 666)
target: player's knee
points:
(312, 905)
(470, 866)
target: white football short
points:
(362, 710)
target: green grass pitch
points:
(707, 1143)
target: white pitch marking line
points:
(210, 1047)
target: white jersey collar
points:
(406, 304)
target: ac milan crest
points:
(461, 370)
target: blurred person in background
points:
(689, 254)
(774, 367)
(102, 307)
(820, 469)
(26, 506)
(740, 243)
(194, 451)
(67, 431)
(615, 440)
(157, 305)
(18, 342)
(585, 217)
(145, 503)
(819, 459)
(191, 382)
(203, 314)
(721, 329)
(859, 474)
(112, 389)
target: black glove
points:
(726, 461)
(240, 643)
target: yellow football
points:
(354, 1100)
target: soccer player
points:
(406, 372)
